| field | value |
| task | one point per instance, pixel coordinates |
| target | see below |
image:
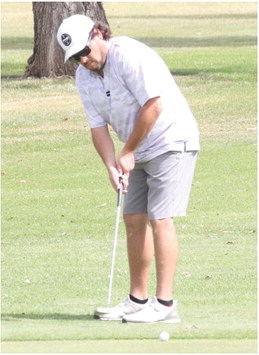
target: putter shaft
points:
(119, 199)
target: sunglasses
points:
(83, 53)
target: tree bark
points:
(47, 59)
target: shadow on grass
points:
(192, 42)
(17, 43)
(191, 17)
(203, 72)
(49, 316)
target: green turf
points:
(58, 209)
(135, 346)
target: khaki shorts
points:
(161, 187)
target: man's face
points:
(96, 59)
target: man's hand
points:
(115, 176)
(125, 163)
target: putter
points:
(119, 199)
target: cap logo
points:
(66, 39)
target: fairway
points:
(134, 346)
(58, 208)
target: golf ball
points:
(164, 336)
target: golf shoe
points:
(124, 308)
(154, 312)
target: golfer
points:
(126, 85)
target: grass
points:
(58, 209)
(136, 346)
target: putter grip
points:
(119, 196)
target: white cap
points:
(73, 34)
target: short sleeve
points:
(142, 71)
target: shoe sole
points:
(96, 316)
(157, 321)
(100, 314)
(106, 319)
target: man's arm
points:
(147, 117)
(104, 145)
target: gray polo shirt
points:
(133, 74)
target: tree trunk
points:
(47, 59)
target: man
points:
(125, 84)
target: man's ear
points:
(98, 33)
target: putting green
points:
(134, 346)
